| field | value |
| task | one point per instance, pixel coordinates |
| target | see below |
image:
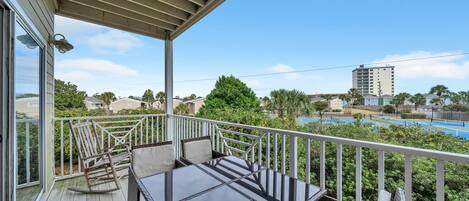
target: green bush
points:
(413, 116)
(389, 109)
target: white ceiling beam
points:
(181, 5)
(124, 13)
(84, 13)
(132, 7)
(163, 8)
(202, 12)
(198, 2)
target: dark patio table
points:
(226, 179)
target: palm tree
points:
(345, 97)
(321, 107)
(464, 96)
(278, 102)
(418, 100)
(456, 98)
(400, 99)
(161, 97)
(354, 95)
(298, 103)
(181, 109)
(291, 103)
(107, 98)
(148, 97)
(442, 92)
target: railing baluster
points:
(358, 174)
(408, 177)
(283, 153)
(146, 132)
(212, 137)
(163, 131)
(158, 129)
(177, 137)
(294, 157)
(70, 151)
(322, 165)
(380, 170)
(193, 129)
(141, 131)
(308, 160)
(28, 154)
(61, 147)
(440, 180)
(267, 160)
(152, 130)
(339, 172)
(259, 151)
(275, 151)
(79, 148)
(218, 139)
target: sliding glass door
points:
(28, 110)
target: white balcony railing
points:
(275, 148)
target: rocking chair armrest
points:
(101, 155)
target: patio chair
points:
(198, 150)
(399, 195)
(151, 159)
(99, 165)
(384, 195)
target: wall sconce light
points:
(60, 43)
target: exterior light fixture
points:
(61, 43)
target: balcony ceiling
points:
(148, 17)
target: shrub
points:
(389, 109)
(413, 116)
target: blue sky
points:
(252, 37)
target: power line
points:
(328, 68)
(331, 67)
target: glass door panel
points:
(27, 82)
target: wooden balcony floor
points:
(60, 191)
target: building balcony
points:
(301, 155)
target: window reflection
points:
(27, 108)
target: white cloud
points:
(454, 67)
(253, 83)
(114, 41)
(74, 76)
(95, 67)
(72, 28)
(282, 68)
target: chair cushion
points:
(198, 151)
(153, 160)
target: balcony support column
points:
(168, 78)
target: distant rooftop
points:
(93, 100)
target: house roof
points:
(194, 100)
(128, 99)
(93, 100)
(163, 19)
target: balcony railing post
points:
(169, 85)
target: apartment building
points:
(376, 81)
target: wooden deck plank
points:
(60, 191)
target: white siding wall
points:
(41, 13)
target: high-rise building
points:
(377, 81)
